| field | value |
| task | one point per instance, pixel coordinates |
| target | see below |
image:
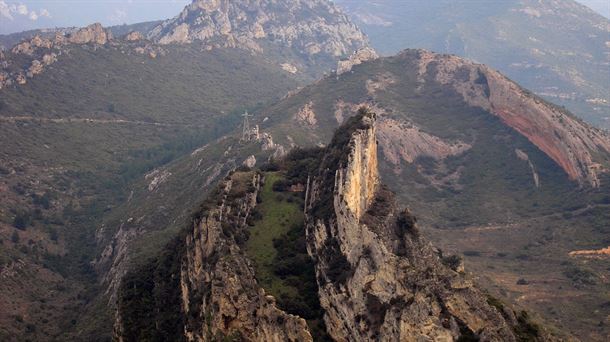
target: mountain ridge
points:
(354, 308)
(557, 49)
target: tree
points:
(15, 237)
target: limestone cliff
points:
(378, 278)
(204, 286)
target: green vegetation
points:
(278, 217)
(22, 220)
(278, 248)
(97, 121)
(149, 298)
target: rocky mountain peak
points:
(310, 26)
(377, 276)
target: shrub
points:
(580, 276)
(22, 220)
(452, 261)
(43, 201)
(281, 185)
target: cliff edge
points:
(378, 278)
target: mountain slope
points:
(311, 33)
(558, 49)
(92, 128)
(215, 290)
(84, 115)
(457, 158)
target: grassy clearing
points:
(278, 216)
(278, 247)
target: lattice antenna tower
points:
(245, 136)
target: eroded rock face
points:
(378, 278)
(310, 26)
(565, 139)
(93, 33)
(306, 115)
(217, 294)
(134, 36)
(401, 141)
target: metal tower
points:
(245, 136)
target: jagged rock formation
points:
(134, 36)
(378, 278)
(310, 26)
(358, 57)
(206, 284)
(565, 139)
(92, 34)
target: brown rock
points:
(134, 36)
(94, 34)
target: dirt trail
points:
(14, 119)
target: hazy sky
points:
(20, 15)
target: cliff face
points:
(359, 180)
(565, 139)
(219, 290)
(211, 291)
(310, 26)
(378, 278)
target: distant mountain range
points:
(559, 49)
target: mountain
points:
(375, 275)
(315, 31)
(85, 113)
(556, 48)
(7, 41)
(454, 148)
(112, 141)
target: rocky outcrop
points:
(565, 139)
(401, 141)
(92, 34)
(306, 115)
(134, 36)
(356, 58)
(310, 26)
(42, 52)
(211, 291)
(378, 278)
